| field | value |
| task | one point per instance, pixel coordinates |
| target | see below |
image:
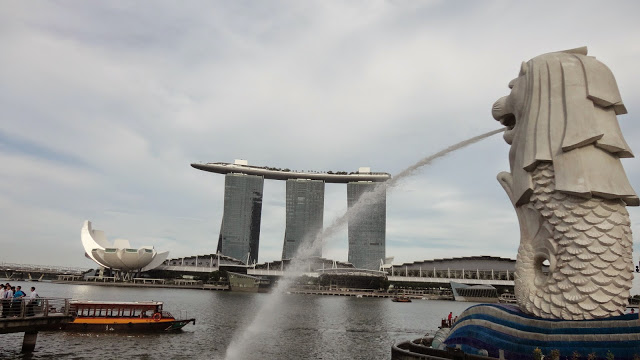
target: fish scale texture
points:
(590, 250)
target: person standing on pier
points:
(33, 298)
(6, 301)
(17, 301)
(449, 318)
(2, 291)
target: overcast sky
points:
(104, 105)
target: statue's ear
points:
(523, 68)
(580, 51)
(602, 88)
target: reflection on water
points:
(307, 326)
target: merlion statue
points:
(568, 187)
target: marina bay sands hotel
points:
(240, 230)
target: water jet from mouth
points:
(242, 346)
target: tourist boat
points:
(113, 316)
(507, 298)
(402, 298)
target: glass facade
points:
(240, 230)
(367, 227)
(305, 209)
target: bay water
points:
(306, 326)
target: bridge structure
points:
(240, 228)
(14, 271)
(31, 317)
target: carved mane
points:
(571, 102)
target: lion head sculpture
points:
(562, 109)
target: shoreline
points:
(168, 286)
(363, 294)
(359, 294)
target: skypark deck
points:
(286, 174)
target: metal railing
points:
(23, 308)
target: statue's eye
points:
(523, 68)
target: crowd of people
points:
(11, 299)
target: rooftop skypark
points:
(241, 166)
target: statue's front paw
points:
(506, 180)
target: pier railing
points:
(42, 307)
(33, 315)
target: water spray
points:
(242, 345)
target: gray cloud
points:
(104, 105)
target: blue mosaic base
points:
(495, 326)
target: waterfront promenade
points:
(417, 294)
(177, 284)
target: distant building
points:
(367, 225)
(304, 215)
(312, 264)
(203, 263)
(240, 231)
(118, 255)
(468, 267)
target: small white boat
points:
(507, 298)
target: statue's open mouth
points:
(508, 120)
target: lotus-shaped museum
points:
(119, 255)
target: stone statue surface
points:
(568, 187)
